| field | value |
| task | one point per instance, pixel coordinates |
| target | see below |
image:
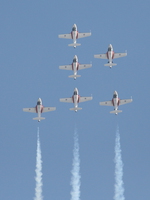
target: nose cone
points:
(75, 25)
(115, 92)
(75, 89)
(75, 59)
(110, 46)
(39, 102)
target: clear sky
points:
(30, 55)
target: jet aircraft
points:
(110, 55)
(115, 102)
(76, 99)
(75, 66)
(39, 108)
(74, 35)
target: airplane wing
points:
(82, 99)
(32, 110)
(66, 36)
(84, 66)
(118, 55)
(66, 100)
(48, 109)
(102, 56)
(106, 103)
(81, 35)
(66, 67)
(124, 101)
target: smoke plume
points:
(119, 185)
(38, 171)
(75, 179)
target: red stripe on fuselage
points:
(78, 98)
(77, 35)
(73, 98)
(77, 66)
(107, 55)
(113, 54)
(113, 102)
(72, 34)
(42, 109)
(118, 101)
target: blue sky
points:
(30, 54)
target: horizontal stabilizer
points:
(116, 111)
(74, 45)
(76, 109)
(74, 76)
(38, 118)
(110, 64)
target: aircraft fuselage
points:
(75, 98)
(74, 33)
(115, 100)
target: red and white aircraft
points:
(39, 108)
(110, 55)
(75, 66)
(76, 99)
(74, 35)
(115, 102)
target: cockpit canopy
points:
(74, 60)
(74, 28)
(109, 48)
(39, 103)
(115, 96)
(75, 93)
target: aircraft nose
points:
(115, 92)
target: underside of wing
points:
(66, 36)
(82, 99)
(118, 55)
(81, 35)
(66, 100)
(124, 101)
(66, 67)
(32, 110)
(106, 103)
(102, 56)
(48, 109)
(84, 66)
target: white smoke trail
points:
(38, 171)
(119, 185)
(75, 179)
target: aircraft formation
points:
(75, 66)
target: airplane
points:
(110, 55)
(74, 35)
(75, 66)
(39, 108)
(115, 102)
(76, 98)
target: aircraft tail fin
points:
(38, 118)
(74, 45)
(110, 64)
(75, 109)
(74, 76)
(116, 111)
